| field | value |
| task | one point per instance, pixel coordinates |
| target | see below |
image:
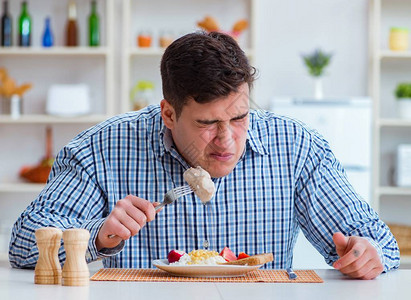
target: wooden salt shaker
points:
(48, 269)
(75, 269)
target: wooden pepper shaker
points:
(75, 269)
(48, 269)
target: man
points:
(272, 177)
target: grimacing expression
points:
(211, 135)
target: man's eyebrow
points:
(209, 122)
(240, 116)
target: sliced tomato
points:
(228, 254)
(243, 255)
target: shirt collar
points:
(255, 142)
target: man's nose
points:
(224, 135)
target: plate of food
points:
(207, 263)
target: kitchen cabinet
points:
(44, 67)
(22, 140)
(387, 69)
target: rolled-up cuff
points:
(92, 254)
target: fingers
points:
(361, 260)
(126, 219)
(373, 273)
(143, 205)
(132, 213)
(341, 243)
(353, 257)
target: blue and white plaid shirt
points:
(287, 179)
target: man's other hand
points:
(126, 219)
(358, 258)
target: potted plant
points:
(403, 94)
(316, 63)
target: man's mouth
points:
(222, 156)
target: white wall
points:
(286, 29)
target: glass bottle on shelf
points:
(94, 26)
(48, 39)
(71, 27)
(6, 26)
(24, 26)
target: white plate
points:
(204, 270)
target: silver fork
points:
(171, 196)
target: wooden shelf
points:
(63, 51)
(20, 187)
(394, 191)
(48, 119)
(394, 54)
(152, 51)
(156, 51)
(392, 122)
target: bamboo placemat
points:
(154, 275)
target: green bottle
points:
(94, 26)
(24, 26)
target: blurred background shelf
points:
(35, 51)
(392, 54)
(156, 51)
(47, 119)
(143, 64)
(21, 187)
(384, 122)
(394, 191)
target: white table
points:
(19, 284)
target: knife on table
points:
(291, 274)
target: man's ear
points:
(168, 114)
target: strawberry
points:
(175, 255)
(243, 255)
(227, 254)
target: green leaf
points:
(403, 90)
(316, 62)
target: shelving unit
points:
(21, 187)
(47, 119)
(58, 64)
(144, 63)
(58, 50)
(22, 139)
(387, 68)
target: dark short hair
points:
(203, 66)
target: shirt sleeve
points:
(72, 198)
(327, 203)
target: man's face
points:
(211, 135)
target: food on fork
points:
(200, 181)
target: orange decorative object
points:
(209, 24)
(8, 86)
(144, 40)
(40, 172)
